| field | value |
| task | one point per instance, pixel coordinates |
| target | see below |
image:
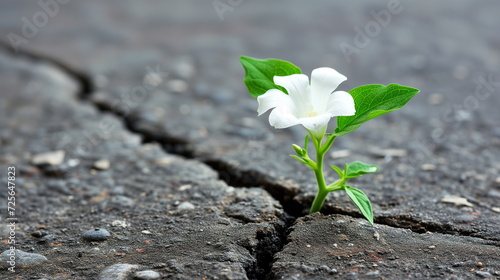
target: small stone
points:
(186, 206)
(147, 275)
(185, 187)
(432, 247)
(102, 164)
(428, 167)
(117, 271)
(389, 152)
(147, 232)
(496, 209)
(484, 274)
(340, 154)
(50, 158)
(22, 258)
(479, 264)
(73, 162)
(122, 201)
(97, 234)
(120, 223)
(163, 161)
(38, 234)
(373, 273)
(458, 201)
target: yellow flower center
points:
(310, 111)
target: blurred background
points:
(441, 48)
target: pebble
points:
(484, 274)
(374, 273)
(340, 154)
(120, 223)
(494, 193)
(97, 234)
(102, 164)
(117, 271)
(22, 258)
(458, 201)
(389, 152)
(38, 234)
(497, 180)
(428, 167)
(122, 201)
(49, 158)
(147, 275)
(186, 206)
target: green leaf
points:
(362, 202)
(372, 101)
(306, 142)
(338, 170)
(358, 168)
(299, 159)
(259, 73)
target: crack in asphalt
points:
(269, 243)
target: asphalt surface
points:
(139, 154)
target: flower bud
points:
(300, 152)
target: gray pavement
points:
(199, 187)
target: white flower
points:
(311, 105)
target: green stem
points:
(319, 200)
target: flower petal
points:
(324, 81)
(297, 86)
(273, 98)
(341, 103)
(317, 122)
(281, 117)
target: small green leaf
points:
(299, 159)
(362, 202)
(338, 170)
(372, 101)
(259, 73)
(358, 168)
(306, 142)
